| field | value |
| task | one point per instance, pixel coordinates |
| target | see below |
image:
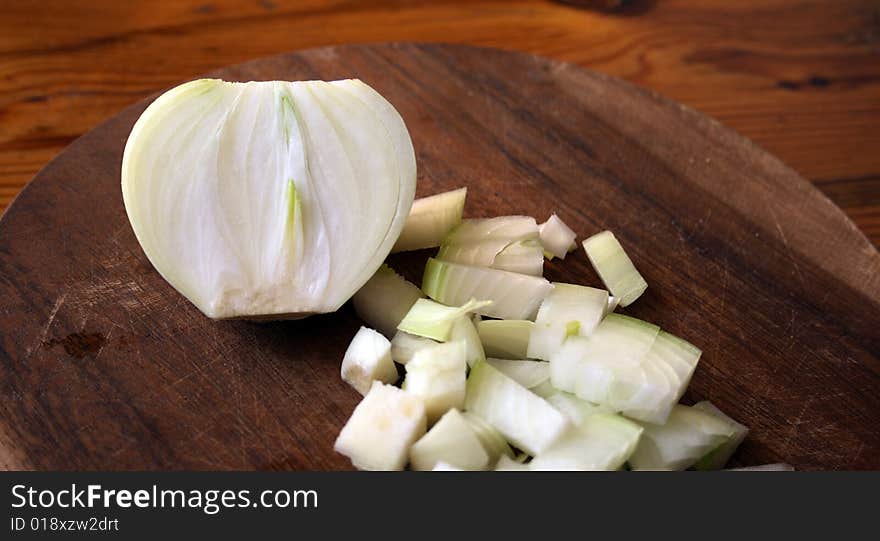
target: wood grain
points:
(104, 366)
(799, 77)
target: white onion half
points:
(268, 199)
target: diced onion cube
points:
(380, 431)
(558, 239)
(451, 441)
(368, 359)
(437, 375)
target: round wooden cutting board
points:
(105, 366)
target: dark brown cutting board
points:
(105, 366)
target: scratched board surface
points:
(104, 366)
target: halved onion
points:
(268, 199)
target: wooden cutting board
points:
(105, 366)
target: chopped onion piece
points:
(565, 362)
(524, 418)
(574, 408)
(569, 310)
(645, 392)
(718, 457)
(499, 231)
(505, 338)
(615, 267)
(505, 242)
(404, 345)
(450, 441)
(529, 374)
(513, 295)
(628, 365)
(602, 442)
(557, 238)
(546, 340)
(568, 303)
(688, 435)
(679, 354)
(611, 369)
(492, 440)
(765, 467)
(385, 299)
(382, 428)
(430, 220)
(368, 358)
(524, 257)
(434, 320)
(463, 329)
(618, 344)
(670, 358)
(437, 375)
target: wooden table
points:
(800, 78)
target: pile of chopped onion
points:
(498, 358)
